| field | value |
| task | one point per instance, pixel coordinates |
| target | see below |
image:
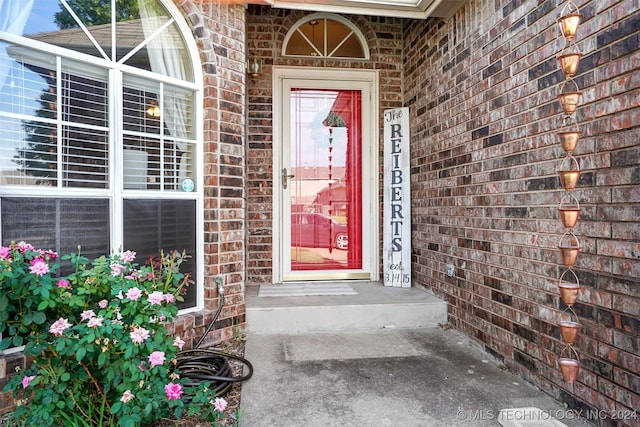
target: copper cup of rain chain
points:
(569, 255)
(569, 369)
(569, 140)
(569, 179)
(569, 331)
(569, 25)
(568, 365)
(569, 101)
(569, 63)
(569, 252)
(569, 211)
(569, 290)
(569, 216)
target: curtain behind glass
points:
(167, 61)
(13, 17)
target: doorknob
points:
(285, 178)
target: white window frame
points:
(115, 192)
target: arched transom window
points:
(99, 128)
(325, 36)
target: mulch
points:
(235, 347)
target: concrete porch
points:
(376, 356)
(369, 306)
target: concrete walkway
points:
(387, 377)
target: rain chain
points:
(569, 173)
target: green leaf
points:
(27, 319)
(17, 340)
(43, 304)
(65, 377)
(102, 359)
(4, 303)
(116, 407)
(81, 353)
(178, 412)
(39, 317)
(5, 343)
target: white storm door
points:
(325, 175)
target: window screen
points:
(152, 226)
(57, 224)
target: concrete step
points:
(346, 306)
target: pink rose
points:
(63, 283)
(39, 267)
(127, 396)
(220, 404)
(23, 246)
(59, 326)
(156, 298)
(5, 252)
(48, 254)
(103, 304)
(94, 322)
(173, 391)
(117, 269)
(134, 293)
(156, 358)
(27, 380)
(128, 256)
(87, 314)
(178, 342)
(139, 334)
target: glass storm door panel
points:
(323, 182)
(325, 175)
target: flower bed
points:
(97, 337)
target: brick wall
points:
(266, 30)
(219, 31)
(481, 89)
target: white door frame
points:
(339, 79)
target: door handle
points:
(285, 178)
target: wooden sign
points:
(396, 242)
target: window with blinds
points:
(57, 115)
(98, 142)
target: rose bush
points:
(100, 350)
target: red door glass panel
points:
(326, 182)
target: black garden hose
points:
(202, 365)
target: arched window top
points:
(139, 33)
(324, 35)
